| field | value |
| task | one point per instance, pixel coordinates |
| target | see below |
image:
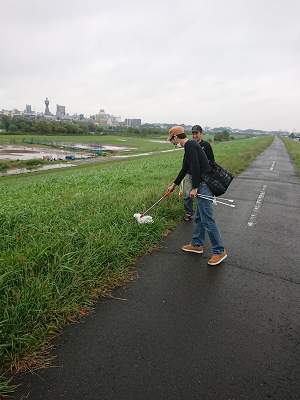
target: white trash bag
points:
(143, 220)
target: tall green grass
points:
(68, 237)
(293, 148)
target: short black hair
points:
(181, 135)
(196, 128)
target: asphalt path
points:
(187, 330)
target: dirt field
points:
(14, 152)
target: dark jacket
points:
(194, 160)
(206, 146)
(207, 150)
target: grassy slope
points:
(143, 144)
(294, 151)
(68, 236)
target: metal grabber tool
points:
(215, 201)
(156, 203)
(143, 218)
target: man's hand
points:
(171, 188)
(193, 193)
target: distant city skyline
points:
(102, 118)
(60, 111)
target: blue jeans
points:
(187, 200)
(205, 223)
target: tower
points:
(47, 112)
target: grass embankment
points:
(6, 165)
(293, 148)
(138, 145)
(68, 237)
(148, 144)
(143, 144)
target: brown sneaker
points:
(193, 249)
(217, 258)
(187, 217)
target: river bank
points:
(79, 157)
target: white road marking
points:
(272, 166)
(256, 209)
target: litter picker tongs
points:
(167, 194)
(215, 201)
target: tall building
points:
(106, 119)
(60, 111)
(28, 109)
(133, 122)
(102, 117)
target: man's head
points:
(197, 133)
(177, 131)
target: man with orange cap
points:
(196, 160)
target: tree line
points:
(16, 126)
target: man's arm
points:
(171, 188)
(193, 193)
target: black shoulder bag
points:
(218, 179)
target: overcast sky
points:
(215, 63)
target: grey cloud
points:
(216, 63)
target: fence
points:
(93, 147)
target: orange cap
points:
(176, 130)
